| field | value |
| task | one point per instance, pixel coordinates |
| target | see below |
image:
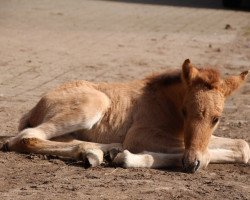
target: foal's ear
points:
(232, 83)
(189, 72)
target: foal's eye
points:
(215, 120)
(184, 112)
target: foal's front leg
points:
(153, 140)
(221, 150)
(227, 150)
(148, 160)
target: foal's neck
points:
(171, 100)
(175, 93)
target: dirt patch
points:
(45, 43)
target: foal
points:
(163, 120)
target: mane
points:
(164, 79)
(208, 77)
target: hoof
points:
(113, 153)
(93, 158)
(122, 159)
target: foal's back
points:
(104, 109)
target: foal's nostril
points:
(191, 167)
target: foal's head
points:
(202, 108)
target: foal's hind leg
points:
(227, 150)
(80, 110)
(33, 140)
(79, 150)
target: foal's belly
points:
(102, 133)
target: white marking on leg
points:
(233, 150)
(28, 133)
(148, 159)
(226, 156)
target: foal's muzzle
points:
(191, 167)
(190, 161)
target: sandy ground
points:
(44, 43)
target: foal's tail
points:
(24, 122)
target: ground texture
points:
(45, 43)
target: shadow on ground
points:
(212, 4)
